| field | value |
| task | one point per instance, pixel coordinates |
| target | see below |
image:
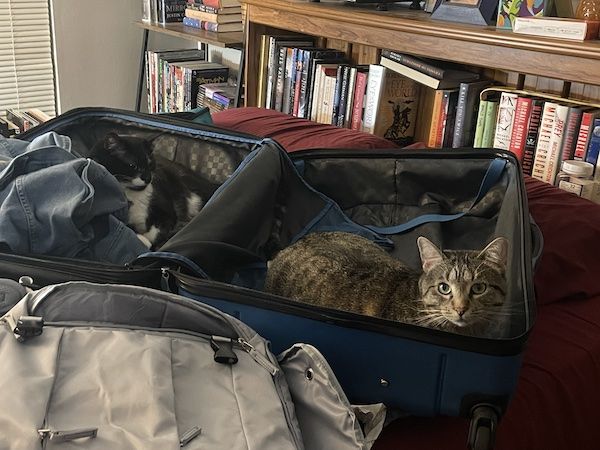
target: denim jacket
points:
(54, 203)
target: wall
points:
(97, 51)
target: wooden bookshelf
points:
(179, 30)
(362, 31)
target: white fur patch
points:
(144, 240)
(138, 209)
(138, 182)
(194, 205)
(152, 234)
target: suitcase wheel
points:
(482, 430)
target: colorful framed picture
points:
(509, 9)
(476, 12)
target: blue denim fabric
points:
(54, 203)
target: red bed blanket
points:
(557, 399)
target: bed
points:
(556, 401)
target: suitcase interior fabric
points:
(211, 152)
(267, 205)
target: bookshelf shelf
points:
(229, 40)
(363, 31)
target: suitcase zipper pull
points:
(189, 436)
(223, 348)
(26, 327)
(258, 357)
(64, 436)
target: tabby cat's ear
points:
(431, 256)
(112, 142)
(496, 251)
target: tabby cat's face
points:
(462, 288)
(129, 159)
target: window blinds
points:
(26, 68)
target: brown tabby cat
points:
(459, 290)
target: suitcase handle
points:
(491, 177)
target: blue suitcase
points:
(457, 198)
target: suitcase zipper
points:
(47, 434)
(189, 436)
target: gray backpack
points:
(88, 366)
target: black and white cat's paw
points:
(149, 237)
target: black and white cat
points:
(163, 195)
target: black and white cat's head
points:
(128, 158)
(463, 289)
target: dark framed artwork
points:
(476, 12)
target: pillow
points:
(571, 229)
(294, 133)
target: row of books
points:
(211, 15)
(541, 132)
(17, 122)
(173, 78)
(320, 84)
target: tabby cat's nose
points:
(460, 311)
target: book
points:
(38, 115)
(213, 26)
(209, 9)
(171, 10)
(373, 95)
(263, 68)
(466, 112)
(480, 124)
(218, 4)
(433, 68)
(567, 150)
(360, 89)
(489, 127)
(320, 101)
(423, 78)
(520, 125)
(510, 10)
(436, 113)
(350, 97)
(537, 106)
(594, 145)
(147, 10)
(446, 129)
(505, 120)
(289, 75)
(213, 17)
(542, 149)
(391, 107)
(584, 135)
(340, 113)
(556, 139)
(558, 27)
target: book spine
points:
(558, 133)
(583, 138)
(336, 94)
(441, 128)
(315, 92)
(298, 82)
(271, 71)
(531, 137)
(480, 123)
(304, 83)
(489, 128)
(594, 146)
(359, 100)
(505, 120)
(542, 149)
(341, 113)
(350, 97)
(374, 83)
(519, 129)
(435, 118)
(414, 63)
(262, 71)
(459, 123)
(450, 119)
(279, 84)
(146, 10)
(571, 130)
(290, 71)
(201, 15)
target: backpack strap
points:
(491, 177)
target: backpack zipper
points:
(47, 434)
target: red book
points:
(520, 127)
(583, 138)
(359, 96)
(571, 133)
(531, 137)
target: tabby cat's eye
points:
(478, 288)
(444, 288)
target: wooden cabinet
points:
(362, 31)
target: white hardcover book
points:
(556, 138)
(540, 163)
(505, 120)
(374, 83)
(350, 97)
(557, 27)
